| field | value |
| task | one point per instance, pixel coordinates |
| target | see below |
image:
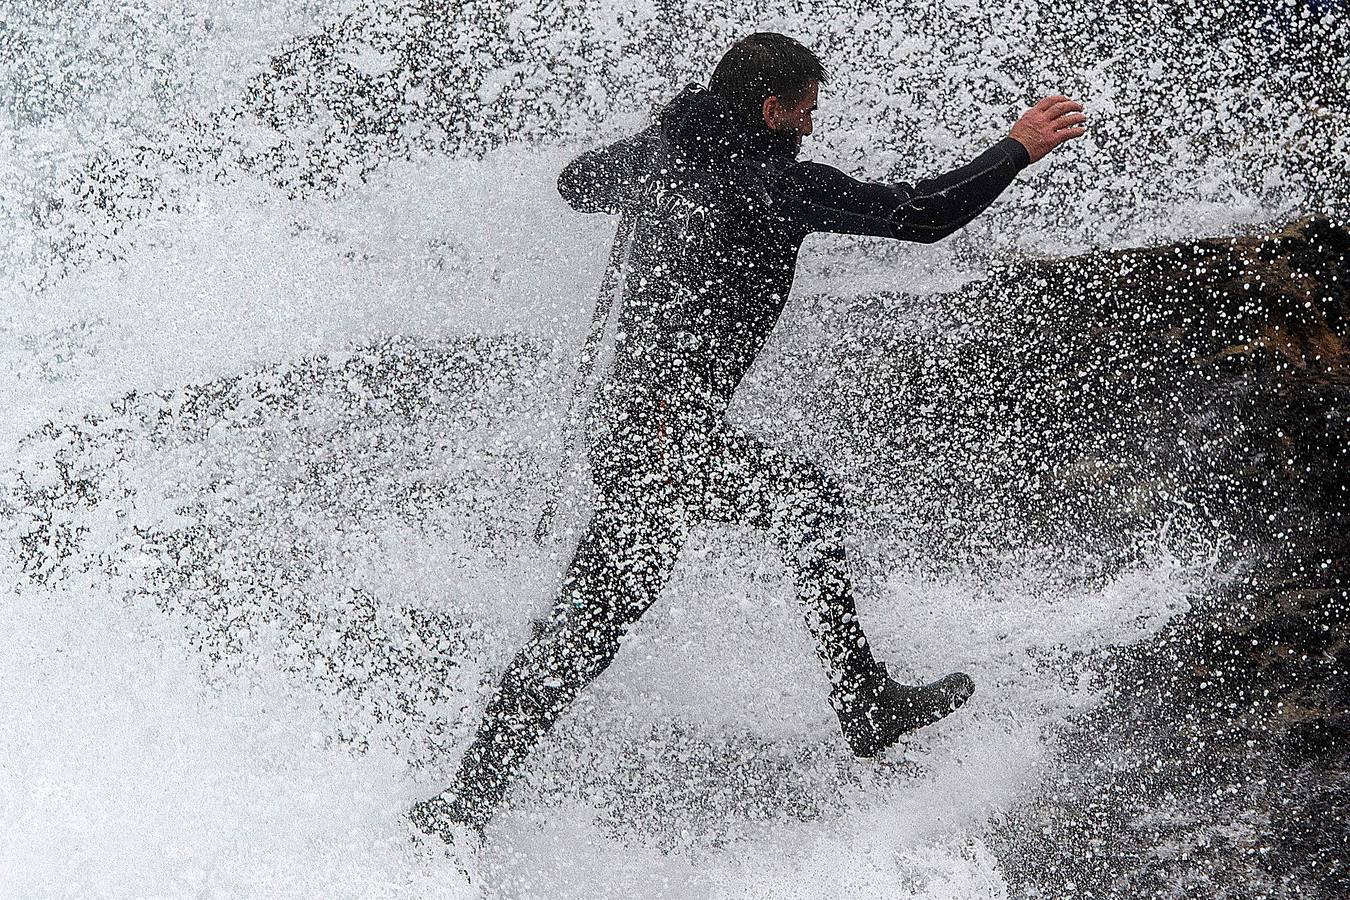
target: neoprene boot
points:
(515, 719)
(875, 712)
(445, 816)
(464, 808)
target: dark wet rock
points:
(1080, 402)
(1217, 765)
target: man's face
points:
(789, 118)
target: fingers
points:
(1063, 116)
(1051, 122)
(1062, 107)
(1068, 120)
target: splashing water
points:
(292, 305)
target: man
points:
(714, 208)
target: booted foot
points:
(878, 714)
(443, 817)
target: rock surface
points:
(1218, 764)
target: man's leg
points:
(616, 573)
(803, 510)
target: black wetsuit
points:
(716, 214)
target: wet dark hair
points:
(764, 65)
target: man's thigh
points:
(622, 562)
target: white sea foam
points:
(130, 766)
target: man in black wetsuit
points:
(715, 205)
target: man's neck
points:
(782, 144)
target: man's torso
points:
(709, 268)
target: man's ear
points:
(771, 111)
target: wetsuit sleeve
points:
(822, 198)
(606, 180)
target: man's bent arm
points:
(822, 198)
(606, 180)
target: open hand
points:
(1048, 124)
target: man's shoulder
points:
(780, 179)
(810, 172)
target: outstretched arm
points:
(606, 180)
(821, 198)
